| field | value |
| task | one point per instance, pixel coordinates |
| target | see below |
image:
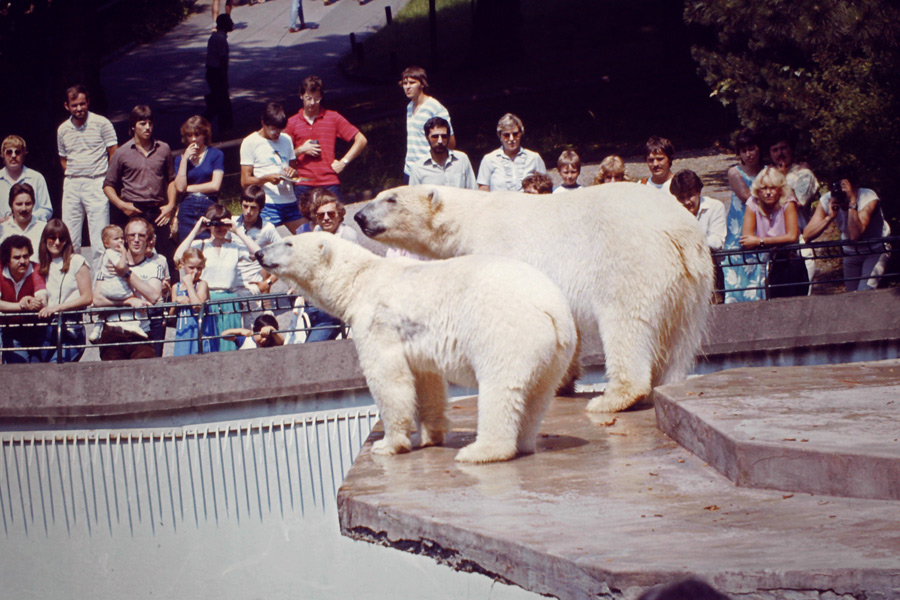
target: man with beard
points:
(442, 166)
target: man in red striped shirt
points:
(314, 131)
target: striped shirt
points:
(417, 146)
(84, 148)
(326, 128)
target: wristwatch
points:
(853, 207)
(127, 274)
(345, 161)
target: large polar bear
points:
(629, 258)
(476, 320)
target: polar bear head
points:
(321, 264)
(405, 217)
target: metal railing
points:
(823, 255)
(54, 330)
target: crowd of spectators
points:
(159, 233)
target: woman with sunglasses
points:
(222, 253)
(68, 280)
(507, 166)
(14, 151)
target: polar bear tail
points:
(682, 334)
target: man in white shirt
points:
(686, 187)
(14, 171)
(86, 142)
(442, 166)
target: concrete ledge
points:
(831, 430)
(101, 389)
(611, 506)
(840, 326)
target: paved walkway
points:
(267, 62)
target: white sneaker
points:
(129, 327)
(96, 332)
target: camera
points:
(838, 196)
(219, 223)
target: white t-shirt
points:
(221, 270)
(249, 268)
(62, 287)
(267, 157)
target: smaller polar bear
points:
(483, 321)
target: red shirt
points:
(32, 283)
(326, 128)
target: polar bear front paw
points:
(391, 446)
(484, 452)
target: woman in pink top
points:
(771, 220)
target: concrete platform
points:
(610, 506)
(826, 430)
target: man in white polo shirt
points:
(86, 142)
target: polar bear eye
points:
(391, 200)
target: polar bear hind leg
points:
(500, 415)
(629, 348)
(431, 398)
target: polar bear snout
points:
(369, 226)
(272, 257)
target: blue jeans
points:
(324, 326)
(299, 190)
(16, 339)
(72, 346)
(192, 207)
(296, 14)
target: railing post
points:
(59, 337)
(201, 314)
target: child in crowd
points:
(264, 335)
(659, 153)
(612, 168)
(537, 183)
(190, 292)
(569, 167)
(113, 285)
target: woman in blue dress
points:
(742, 271)
(198, 174)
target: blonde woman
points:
(770, 220)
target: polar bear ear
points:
(325, 250)
(434, 196)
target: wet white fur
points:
(629, 258)
(476, 320)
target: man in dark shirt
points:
(22, 289)
(218, 103)
(140, 181)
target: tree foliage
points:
(827, 68)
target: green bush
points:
(827, 69)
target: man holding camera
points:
(857, 213)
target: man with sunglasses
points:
(86, 143)
(442, 166)
(14, 171)
(507, 166)
(314, 131)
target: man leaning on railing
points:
(145, 275)
(857, 213)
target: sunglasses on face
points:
(326, 214)
(13, 152)
(511, 135)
